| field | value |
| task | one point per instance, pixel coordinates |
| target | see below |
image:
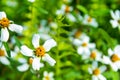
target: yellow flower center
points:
(78, 34)
(30, 60)
(96, 71)
(4, 22)
(89, 19)
(93, 55)
(67, 9)
(2, 53)
(40, 51)
(47, 77)
(115, 58)
(84, 44)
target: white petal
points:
(23, 67)
(36, 64)
(114, 67)
(49, 59)
(16, 28)
(4, 60)
(80, 50)
(110, 52)
(86, 39)
(49, 44)
(77, 42)
(106, 60)
(114, 23)
(45, 73)
(22, 60)
(71, 17)
(2, 15)
(26, 51)
(117, 14)
(35, 40)
(51, 74)
(91, 45)
(90, 70)
(4, 34)
(113, 15)
(44, 36)
(102, 68)
(94, 64)
(117, 50)
(3, 48)
(94, 78)
(101, 77)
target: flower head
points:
(6, 24)
(48, 76)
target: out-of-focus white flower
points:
(3, 55)
(114, 58)
(48, 76)
(96, 71)
(31, 1)
(67, 1)
(5, 24)
(84, 46)
(116, 18)
(87, 20)
(53, 25)
(39, 52)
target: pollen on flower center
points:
(84, 44)
(4, 22)
(30, 60)
(89, 19)
(96, 71)
(47, 77)
(115, 58)
(40, 51)
(77, 34)
(93, 55)
(2, 53)
(67, 9)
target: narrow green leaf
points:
(81, 8)
(7, 48)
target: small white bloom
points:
(115, 22)
(113, 59)
(31, 1)
(40, 52)
(87, 20)
(5, 24)
(48, 76)
(96, 71)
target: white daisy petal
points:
(114, 23)
(4, 34)
(49, 59)
(117, 50)
(77, 42)
(16, 28)
(36, 64)
(102, 68)
(23, 67)
(49, 44)
(114, 67)
(101, 77)
(106, 60)
(26, 51)
(91, 45)
(90, 70)
(2, 15)
(117, 14)
(113, 15)
(35, 40)
(94, 78)
(80, 50)
(45, 73)
(95, 64)
(51, 74)
(4, 60)
(110, 52)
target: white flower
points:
(3, 56)
(48, 76)
(96, 71)
(5, 24)
(40, 52)
(87, 20)
(53, 25)
(84, 46)
(64, 9)
(31, 1)
(114, 58)
(116, 18)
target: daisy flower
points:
(96, 71)
(48, 76)
(65, 10)
(116, 18)
(87, 20)
(84, 46)
(6, 24)
(3, 55)
(39, 52)
(113, 58)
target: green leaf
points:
(17, 42)
(81, 8)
